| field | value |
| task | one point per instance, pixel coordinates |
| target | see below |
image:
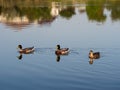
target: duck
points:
(61, 51)
(94, 55)
(25, 50)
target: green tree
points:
(68, 12)
(95, 12)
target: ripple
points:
(44, 50)
(73, 72)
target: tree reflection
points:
(115, 14)
(24, 12)
(95, 12)
(36, 13)
(67, 12)
(115, 10)
(32, 13)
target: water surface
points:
(74, 27)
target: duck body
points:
(64, 51)
(61, 51)
(94, 55)
(26, 50)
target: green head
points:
(58, 47)
(20, 46)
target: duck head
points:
(20, 46)
(91, 54)
(91, 51)
(58, 47)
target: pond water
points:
(81, 28)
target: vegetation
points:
(68, 12)
(115, 10)
(35, 13)
(95, 12)
(41, 10)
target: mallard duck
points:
(26, 50)
(61, 51)
(94, 55)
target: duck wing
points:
(65, 49)
(96, 55)
(29, 48)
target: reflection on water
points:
(48, 51)
(57, 58)
(17, 15)
(91, 61)
(44, 73)
(20, 56)
(73, 25)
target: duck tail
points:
(32, 47)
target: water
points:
(42, 70)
